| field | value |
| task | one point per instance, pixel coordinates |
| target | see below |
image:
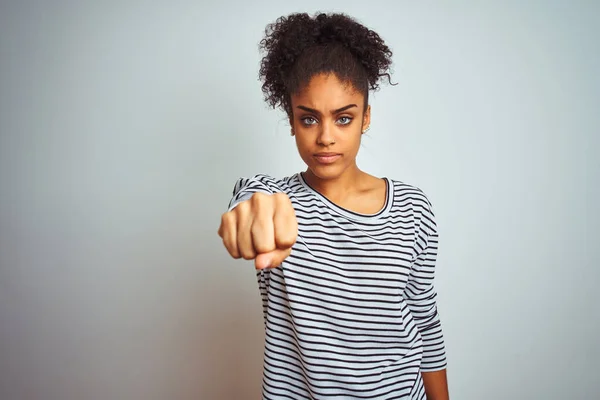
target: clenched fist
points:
(263, 228)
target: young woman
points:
(345, 260)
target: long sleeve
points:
(245, 187)
(420, 294)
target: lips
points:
(327, 158)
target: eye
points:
(345, 120)
(308, 121)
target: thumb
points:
(271, 259)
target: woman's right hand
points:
(263, 228)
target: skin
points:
(319, 126)
(436, 385)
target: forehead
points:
(327, 90)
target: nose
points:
(325, 137)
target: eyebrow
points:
(339, 110)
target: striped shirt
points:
(351, 313)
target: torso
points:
(336, 321)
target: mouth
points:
(327, 158)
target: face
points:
(327, 122)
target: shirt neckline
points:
(389, 198)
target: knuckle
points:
(286, 241)
(262, 204)
(281, 197)
(245, 248)
(288, 237)
(227, 218)
(259, 197)
(228, 225)
(247, 254)
(231, 247)
(263, 248)
(241, 208)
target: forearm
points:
(436, 385)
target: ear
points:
(366, 119)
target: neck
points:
(336, 188)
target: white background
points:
(124, 126)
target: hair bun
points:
(287, 39)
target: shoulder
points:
(246, 187)
(413, 198)
(268, 182)
(407, 193)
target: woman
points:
(345, 260)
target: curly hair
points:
(299, 47)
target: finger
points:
(285, 224)
(227, 231)
(244, 235)
(263, 232)
(230, 241)
(271, 259)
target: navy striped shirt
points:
(351, 313)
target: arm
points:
(436, 385)
(421, 297)
(251, 219)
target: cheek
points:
(353, 144)
(302, 144)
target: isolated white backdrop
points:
(125, 124)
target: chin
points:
(326, 172)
